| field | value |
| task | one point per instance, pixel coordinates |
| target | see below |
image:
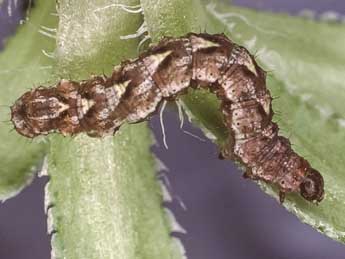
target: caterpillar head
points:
(38, 111)
(312, 186)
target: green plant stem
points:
(104, 198)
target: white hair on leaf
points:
(141, 31)
(127, 8)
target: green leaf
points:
(103, 198)
(22, 66)
(307, 59)
(311, 92)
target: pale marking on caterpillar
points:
(136, 89)
(86, 105)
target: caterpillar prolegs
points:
(133, 92)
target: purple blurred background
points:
(227, 216)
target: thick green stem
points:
(103, 196)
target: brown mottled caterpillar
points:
(135, 89)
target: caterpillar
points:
(136, 88)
